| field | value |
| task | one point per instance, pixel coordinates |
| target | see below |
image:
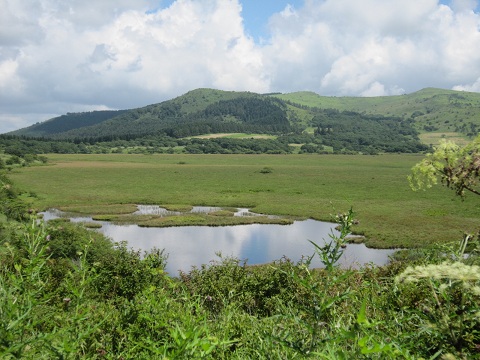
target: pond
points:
(189, 246)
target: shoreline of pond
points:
(190, 245)
(157, 216)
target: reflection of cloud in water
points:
(196, 245)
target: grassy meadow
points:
(434, 138)
(390, 214)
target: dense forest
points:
(361, 133)
(68, 122)
(257, 114)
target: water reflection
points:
(196, 245)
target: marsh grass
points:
(177, 207)
(222, 218)
(390, 214)
(92, 225)
(124, 219)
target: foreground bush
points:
(88, 298)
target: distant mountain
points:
(207, 111)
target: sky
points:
(83, 55)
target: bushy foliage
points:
(10, 205)
(67, 292)
(456, 167)
(222, 310)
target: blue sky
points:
(257, 12)
(83, 55)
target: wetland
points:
(189, 246)
(390, 214)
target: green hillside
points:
(355, 124)
(198, 112)
(436, 112)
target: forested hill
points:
(434, 112)
(64, 123)
(204, 111)
(198, 112)
(313, 122)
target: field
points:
(390, 214)
(434, 138)
(235, 136)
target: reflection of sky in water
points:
(197, 245)
(189, 246)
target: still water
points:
(189, 246)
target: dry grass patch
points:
(176, 207)
(221, 213)
(234, 136)
(434, 138)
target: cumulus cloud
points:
(475, 87)
(58, 56)
(129, 56)
(374, 47)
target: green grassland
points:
(390, 214)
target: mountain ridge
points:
(201, 111)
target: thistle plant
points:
(332, 251)
(318, 306)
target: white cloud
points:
(474, 87)
(346, 47)
(19, 25)
(79, 54)
(133, 58)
